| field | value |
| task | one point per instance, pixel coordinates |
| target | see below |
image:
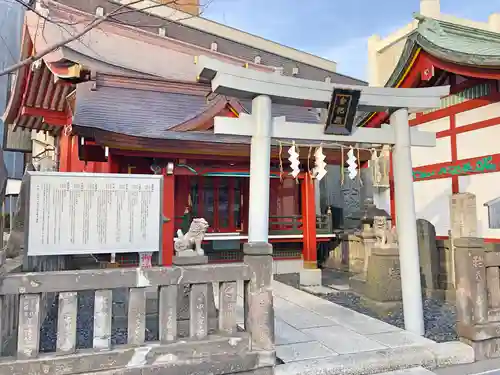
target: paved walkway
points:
(315, 336)
(309, 327)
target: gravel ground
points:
(85, 323)
(439, 316)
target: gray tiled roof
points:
(458, 43)
(135, 112)
(292, 113)
(150, 114)
(151, 23)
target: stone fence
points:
(9, 304)
(225, 350)
(478, 295)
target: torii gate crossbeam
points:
(267, 88)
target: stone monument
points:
(429, 255)
(463, 223)
(15, 243)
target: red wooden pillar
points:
(169, 217)
(112, 165)
(65, 150)
(309, 253)
(391, 190)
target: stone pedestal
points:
(183, 296)
(310, 277)
(352, 253)
(381, 289)
(189, 260)
(383, 279)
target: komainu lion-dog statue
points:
(189, 244)
(386, 236)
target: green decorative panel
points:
(470, 93)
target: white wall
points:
(432, 202)
(441, 153)
(485, 187)
(435, 126)
(478, 114)
(479, 142)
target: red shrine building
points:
(93, 106)
(442, 50)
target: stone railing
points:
(9, 307)
(228, 350)
(9, 304)
(477, 268)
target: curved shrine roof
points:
(463, 47)
(152, 108)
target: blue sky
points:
(334, 29)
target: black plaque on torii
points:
(342, 111)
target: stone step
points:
(410, 371)
(384, 361)
(241, 363)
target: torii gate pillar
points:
(406, 224)
(260, 155)
(258, 229)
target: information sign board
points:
(90, 213)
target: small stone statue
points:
(386, 236)
(189, 244)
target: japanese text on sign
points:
(84, 213)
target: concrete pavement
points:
(489, 367)
(315, 336)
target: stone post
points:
(463, 223)
(429, 256)
(258, 297)
(184, 308)
(15, 243)
(477, 296)
(368, 240)
(470, 265)
(3, 314)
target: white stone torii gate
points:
(266, 88)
